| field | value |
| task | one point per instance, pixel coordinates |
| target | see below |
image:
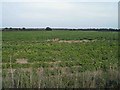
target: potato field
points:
(60, 59)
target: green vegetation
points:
(60, 59)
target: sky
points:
(59, 0)
(60, 14)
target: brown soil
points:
(21, 61)
(69, 41)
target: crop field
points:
(60, 59)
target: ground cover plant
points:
(60, 59)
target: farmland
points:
(60, 59)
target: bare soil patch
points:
(69, 41)
(22, 61)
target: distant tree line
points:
(91, 29)
(27, 29)
(50, 29)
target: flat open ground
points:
(60, 59)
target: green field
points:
(60, 59)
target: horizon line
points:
(60, 27)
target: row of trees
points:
(26, 29)
(50, 29)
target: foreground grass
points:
(60, 78)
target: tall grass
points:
(60, 78)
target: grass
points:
(60, 78)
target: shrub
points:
(48, 29)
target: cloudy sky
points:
(70, 14)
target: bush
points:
(48, 29)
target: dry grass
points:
(60, 78)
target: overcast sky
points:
(60, 14)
